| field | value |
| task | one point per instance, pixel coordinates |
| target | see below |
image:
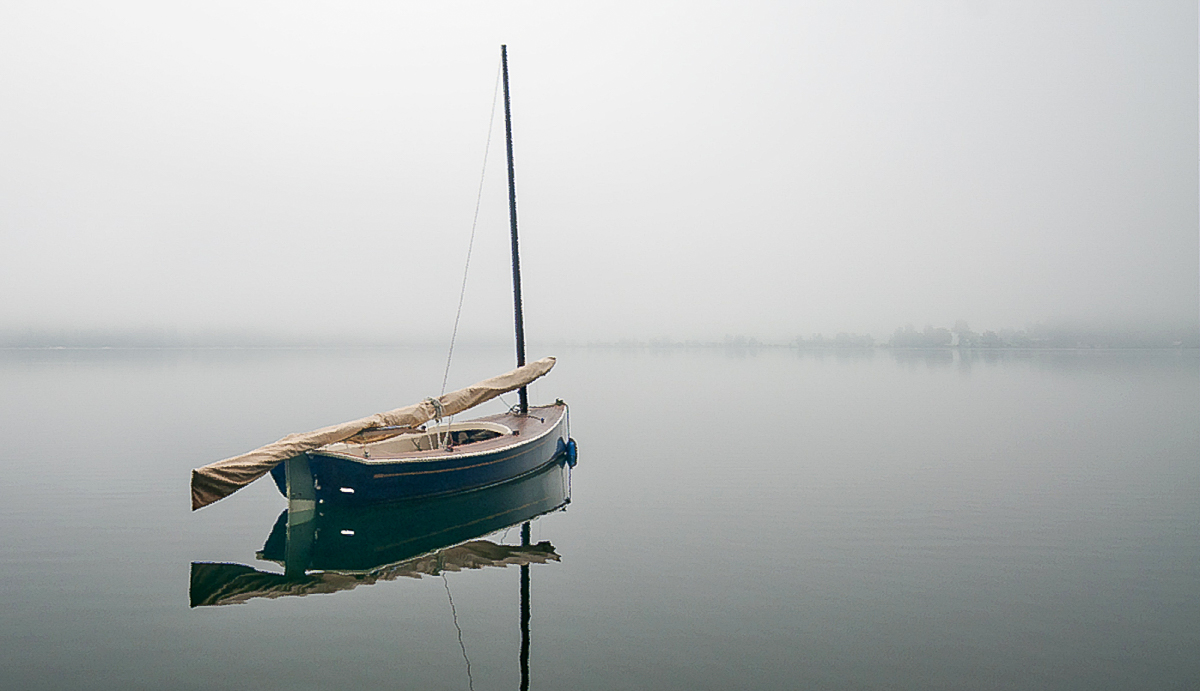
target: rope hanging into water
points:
(474, 224)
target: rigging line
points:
(454, 613)
(474, 224)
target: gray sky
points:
(683, 169)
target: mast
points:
(512, 219)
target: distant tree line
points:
(1043, 335)
(842, 340)
(930, 337)
(1052, 335)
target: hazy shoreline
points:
(1060, 335)
(612, 345)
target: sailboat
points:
(393, 455)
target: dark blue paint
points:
(366, 537)
(383, 482)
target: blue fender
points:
(572, 453)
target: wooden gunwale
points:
(529, 430)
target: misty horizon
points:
(1053, 333)
(770, 170)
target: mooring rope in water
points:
(474, 224)
(454, 614)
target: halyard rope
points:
(474, 223)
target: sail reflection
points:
(329, 550)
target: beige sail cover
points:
(219, 480)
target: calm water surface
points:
(739, 519)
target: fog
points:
(684, 170)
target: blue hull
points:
(338, 481)
(366, 538)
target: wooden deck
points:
(402, 447)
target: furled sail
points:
(221, 479)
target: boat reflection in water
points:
(327, 550)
